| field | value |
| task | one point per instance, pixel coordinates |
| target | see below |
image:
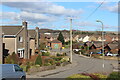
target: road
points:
(83, 65)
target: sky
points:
(56, 15)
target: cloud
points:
(112, 8)
(9, 15)
(43, 7)
(39, 12)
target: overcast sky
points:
(55, 15)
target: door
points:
(56, 46)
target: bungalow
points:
(55, 44)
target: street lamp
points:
(102, 39)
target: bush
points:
(47, 64)
(113, 76)
(38, 60)
(58, 63)
(57, 58)
(79, 77)
(45, 54)
(50, 61)
(59, 54)
(13, 59)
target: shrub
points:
(47, 64)
(101, 76)
(13, 59)
(23, 67)
(51, 61)
(57, 58)
(45, 54)
(27, 66)
(38, 60)
(113, 76)
(78, 77)
(57, 63)
(58, 54)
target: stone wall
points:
(40, 69)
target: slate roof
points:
(31, 33)
(11, 30)
(56, 41)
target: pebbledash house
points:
(18, 39)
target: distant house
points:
(86, 38)
(76, 38)
(55, 44)
(108, 38)
(92, 38)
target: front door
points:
(56, 46)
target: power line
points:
(94, 10)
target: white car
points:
(109, 54)
(76, 50)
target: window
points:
(20, 39)
(21, 53)
(17, 68)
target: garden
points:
(40, 62)
(94, 76)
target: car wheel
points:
(23, 78)
(3, 79)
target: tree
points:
(38, 60)
(61, 38)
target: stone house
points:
(17, 39)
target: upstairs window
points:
(20, 39)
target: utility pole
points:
(1, 46)
(71, 40)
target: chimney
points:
(24, 23)
(25, 35)
(37, 38)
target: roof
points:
(11, 30)
(56, 41)
(31, 33)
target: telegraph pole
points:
(71, 40)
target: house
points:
(108, 38)
(86, 39)
(17, 39)
(92, 38)
(34, 37)
(81, 37)
(55, 44)
(76, 38)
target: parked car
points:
(43, 51)
(12, 72)
(99, 52)
(108, 54)
(76, 50)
